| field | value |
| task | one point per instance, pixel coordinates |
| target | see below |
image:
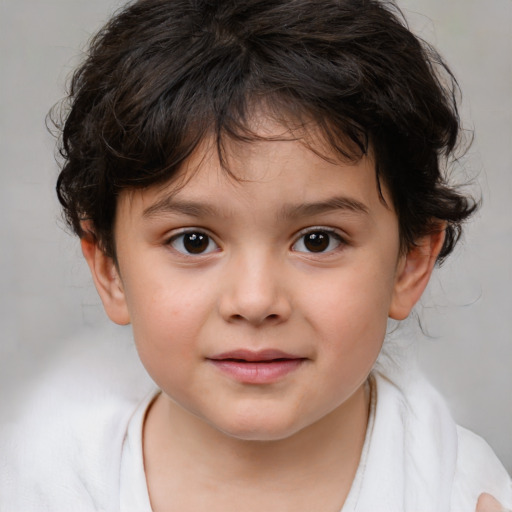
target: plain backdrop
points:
(47, 297)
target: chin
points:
(259, 429)
(259, 435)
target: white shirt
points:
(133, 490)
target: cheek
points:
(349, 311)
(167, 316)
(352, 299)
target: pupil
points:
(317, 242)
(195, 243)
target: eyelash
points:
(198, 236)
(179, 239)
(332, 236)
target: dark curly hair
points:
(163, 75)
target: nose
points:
(255, 291)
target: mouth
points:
(256, 367)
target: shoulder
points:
(62, 448)
(440, 466)
(479, 470)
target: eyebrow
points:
(319, 207)
(170, 205)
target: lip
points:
(256, 367)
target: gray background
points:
(47, 297)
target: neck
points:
(178, 446)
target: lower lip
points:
(264, 372)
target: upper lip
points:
(254, 355)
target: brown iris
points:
(195, 243)
(317, 241)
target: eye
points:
(193, 243)
(318, 241)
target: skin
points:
(293, 443)
(487, 503)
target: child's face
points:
(295, 267)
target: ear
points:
(413, 273)
(107, 280)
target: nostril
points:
(268, 318)
(255, 308)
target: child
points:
(257, 187)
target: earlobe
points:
(413, 273)
(107, 280)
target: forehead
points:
(280, 166)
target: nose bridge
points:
(255, 290)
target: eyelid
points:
(339, 235)
(335, 231)
(184, 231)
